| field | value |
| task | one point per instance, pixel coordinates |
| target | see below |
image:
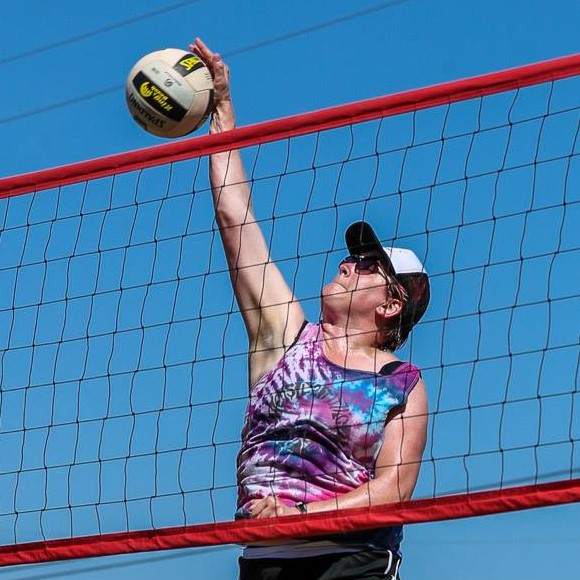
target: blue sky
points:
(66, 63)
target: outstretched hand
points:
(223, 118)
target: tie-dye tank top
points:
(313, 430)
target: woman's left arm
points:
(397, 466)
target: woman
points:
(334, 420)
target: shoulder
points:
(405, 375)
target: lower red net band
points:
(242, 532)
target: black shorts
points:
(366, 565)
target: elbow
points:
(395, 495)
(405, 486)
(225, 217)
(394, 488)
(233, 215)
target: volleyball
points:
(170, 92)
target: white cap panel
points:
(404, 261)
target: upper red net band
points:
(331, 118)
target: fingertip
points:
(200, 43)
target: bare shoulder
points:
(417, 400)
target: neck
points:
(348, 339)
(354, 348)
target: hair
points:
(395, 333)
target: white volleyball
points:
(170, 92)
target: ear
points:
(390, 309)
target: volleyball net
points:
(123, 364)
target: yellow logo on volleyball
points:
(189, 63)
(144, 89)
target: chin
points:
(332, 300)
(332, 288)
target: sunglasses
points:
(363, 264)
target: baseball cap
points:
(401, 263)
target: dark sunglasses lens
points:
(363, 265)
(367, 266)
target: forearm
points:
(386, 489)
(389, 488)
(231, 193)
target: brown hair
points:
(395, 334)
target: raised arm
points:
(271, 314)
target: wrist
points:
(222, 119)
(301, 507)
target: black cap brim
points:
(361, 240)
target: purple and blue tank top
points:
(313, 430)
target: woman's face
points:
(358, 288)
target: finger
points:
(263, 512)
(221, 77)
(202, 46)
(202, 50)
(257, 507)
(264, 507)
(272, 506)
(218, 63)
(267, 512)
